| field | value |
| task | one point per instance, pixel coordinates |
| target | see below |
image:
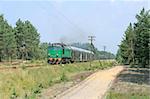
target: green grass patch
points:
(113, 95)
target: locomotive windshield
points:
(54, 47)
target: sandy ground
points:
(94, 87)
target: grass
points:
(113, 95)
(133, 83)
(27, 83)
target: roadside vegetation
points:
(28, 82)
(134, 82)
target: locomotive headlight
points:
(56, 55)
(49, 54)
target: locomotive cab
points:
(58, 53)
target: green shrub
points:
(23, 66)
(14, 94)
(63, 77)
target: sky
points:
(75, 20)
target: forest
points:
(135, 46)
(19, 42)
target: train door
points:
(81, 56)
(86, 57)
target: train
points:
(61, 53)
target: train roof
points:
(80, 49)
(71, 47)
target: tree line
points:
(135, 46)
(20, 42)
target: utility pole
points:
(91, 39)
(104, 47)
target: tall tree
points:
(20, 38)
(142, 33)
(7, 40)
(10, 42)
(31, 40)
(119, 58)
(1, 36)
(126, 47)
(27, 39)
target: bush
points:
(63, 77)
(14, 94)
(23, 66)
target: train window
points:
(54, 47)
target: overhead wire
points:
(64, 16)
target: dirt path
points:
(94, 87)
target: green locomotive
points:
(61, 53)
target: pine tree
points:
(20, 39)
(142, 33)
(7, 40)
(27, 39)
(126, 47)
(10, 42)
(135, 46)
(119, 58)
(1, 36)
(31, 40)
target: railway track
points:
(17, 67)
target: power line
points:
(64, 16)
(67, 19)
